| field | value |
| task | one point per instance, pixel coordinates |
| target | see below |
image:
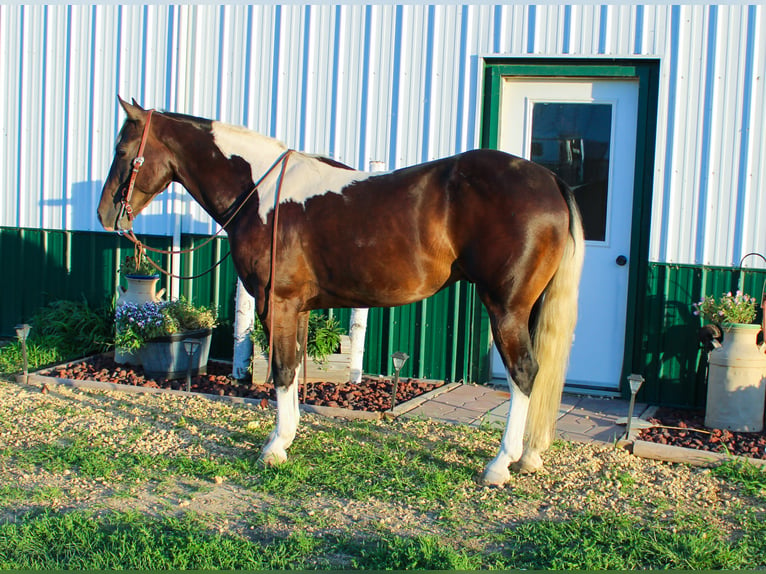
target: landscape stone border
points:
(672, 453)
(332, 412)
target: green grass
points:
(752, 478)
(85, 540)
(612, 542)
(82, 540)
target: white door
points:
(585, 131)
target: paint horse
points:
(347, 238)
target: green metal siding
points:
(669, 356)
(446, 336)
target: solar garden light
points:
(635, 382)
(22, 332)
(190, 346)
(399, 359)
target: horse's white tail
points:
(552, 339)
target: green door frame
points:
(646, 72)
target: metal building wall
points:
(400, 84)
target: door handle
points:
(621, 260)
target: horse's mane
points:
(329, 161)
(187, 118)
(205, 121)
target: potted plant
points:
(155, 332)
(141, 277)
(325, 338)
(736, 387)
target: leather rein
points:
(141, 248)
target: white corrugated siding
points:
(401, 84)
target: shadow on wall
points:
(673, 355)
(39, 267)
(78, 212)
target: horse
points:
(307, 232)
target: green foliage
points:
(323, 337)
(140, 266)
(80, 540)
(190, 317)
(737, 308)
(620, 542)
(136, 324)
(73, 327)
(751, 477)
(62, 330)
(85, 541)
(419, 553)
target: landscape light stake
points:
(190, 346)
(635, 382)
(399, 359)
(22, 332)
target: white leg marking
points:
(511, 447)
(288, 415)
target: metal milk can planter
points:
(141, 289)
(736, 387)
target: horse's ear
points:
(133, 111)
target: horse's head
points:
(140, 150)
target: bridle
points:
(126, 209)
(138, 161)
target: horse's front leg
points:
(285, 367)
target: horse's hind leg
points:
(514, 344)
(285, 366)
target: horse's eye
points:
(121, 153)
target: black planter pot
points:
(166, 358)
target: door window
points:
(573, 141)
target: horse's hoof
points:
(496, 475)
(272, 457)
(528, 463)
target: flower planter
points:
(141, 289)
(166, 358)
(736, 386)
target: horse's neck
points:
(258, 150)
(219, 193)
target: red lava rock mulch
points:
(372, 394)
(689, 431)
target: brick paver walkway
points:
(581, 418)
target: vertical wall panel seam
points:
(531, 28)
(220, 68)
(428, 83)
(393, 159)
(20, 123)
(275, 71)
(667, 191)
(639, 27)
(41, 193)
(744, 139)
(707, 111)
(66, 188)
(364, 96)
(305, 79)
(461, 75)
(335, 63)
(603, 28)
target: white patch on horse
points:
(288, 417)
(305, 177)
(511, 446)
